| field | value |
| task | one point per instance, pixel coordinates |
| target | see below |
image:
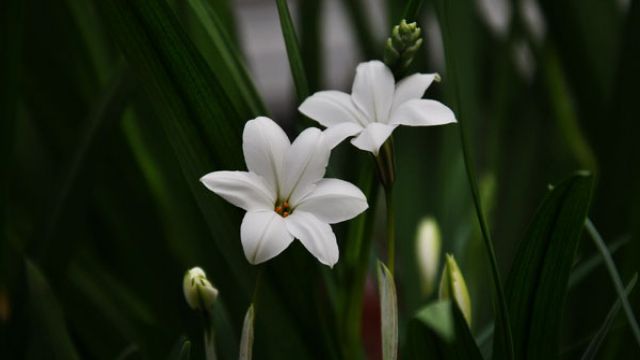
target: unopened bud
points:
(428, 246)
(401, 47)
(453, 281)
(198, 291)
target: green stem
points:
(358, 253)
(391, 230)
(256, 289)
(209, 338)
(615, 277)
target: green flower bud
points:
(453, 281)
(428, 246)
(198, 291)
(402, 45)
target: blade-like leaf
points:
(388, 312)
(226, 61)
(586, 267)
(538, 282)
(293, 51)
(412, 10)
(108, 110)
(615, 277)
(50, 337)
(181, 350)
(504, 332)
(598, 338)
(354, 264)
(187, 103)
(439, 331)
(246, 341)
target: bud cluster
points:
(402, 46)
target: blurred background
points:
(103, 125)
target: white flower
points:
(428, 246)
(284, 192)
(198, 291)
(376, 106)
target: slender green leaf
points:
(50, 337)
(181, 350)
(500, 304)
(598, 338)
(361, 24)
(11, 34)
(388, 312)
(355, 265)
(203, 133)
(246, 341)
(586, 267)
(293, 51)
(412, 10)
(538, 282)
(128, 352)
(226, 61)
(311, 40)
(107, 111)
(615, 277)
(439, 331)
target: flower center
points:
(283, 208)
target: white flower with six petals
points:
(376, 106)
(285, 194)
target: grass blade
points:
(615, 277)
(108, 109)
(500, 304)
(49, 331)
(311, 41)
(439, 331)
(293, 51)
(181, 350)
(226, 61)
(538, 282)
(362, 26)
(586, 267)
(594, 345)
(412, 10)
(388, 312)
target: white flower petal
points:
(243, 189)
(315, 235)
(264, 145)
(372, 137)
(373, 89)
(333, 201)
(264, 235)
(335, 134)
(422, 113)
(330, 108)
(412, 87)
(305, 163)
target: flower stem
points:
(256, 289)
(209, 335)
(391, 230)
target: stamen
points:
(283, 209)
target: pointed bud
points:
(402, 45)
(198, 291)
(453, 281)
(428, 246)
